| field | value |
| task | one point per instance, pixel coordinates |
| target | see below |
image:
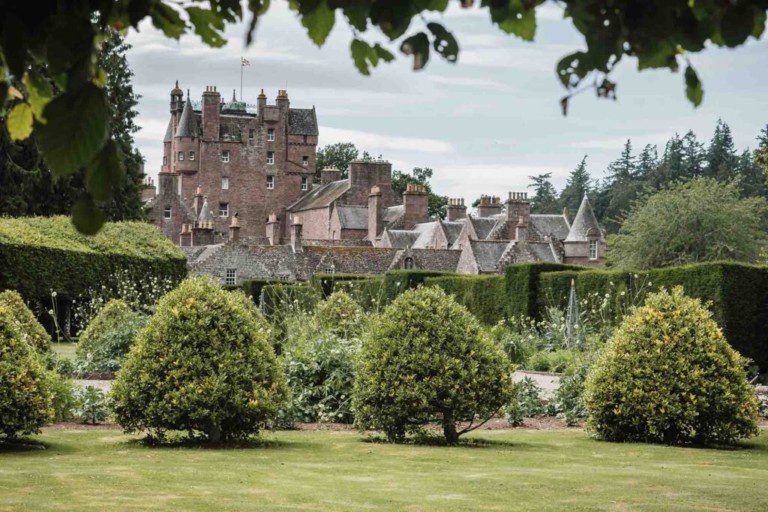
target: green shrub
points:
(202, 364)
(398, 281)
(668, 376)
(369, 293)
(106, 341)
(484, 296)
(519, 345)
(554, 361)
(426, 360)
(26, 398)
(340, 315)
(568, 401)
(91, 405)
(253, 287)
(526, 403)
(41, 254)
(64, 400)
(26, 323)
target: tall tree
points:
(761, 154)
(694, 157)
(721, 154)
(544, 199)
(694, 221)
(619, 190)
(437, 206)
(338, 155)
(647, 163)
(578, 185)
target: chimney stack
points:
(185, 238)
(521, 231)
(489, 206)
(456, 209)
(273, 229)
(375, 219)
(234, 229)
(296, 235)
(415, 204)
(329, 174)
(518, 209)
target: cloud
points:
(471, 180)
(376, 143)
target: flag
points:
(244, 62)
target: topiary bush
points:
(203, 364)
(26, 397)
(425, 359)
(103, 345)
(668, 376)
(26, 323)
(340, 315)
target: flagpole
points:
(241, 79)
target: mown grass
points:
(322, 471)
(65, 350)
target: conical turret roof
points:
(205, 212)
(584, 224)
(187, 122)
(169, 131)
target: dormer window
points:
(270, 157)
(270, 134)
(593, 250)
(304, 183)
(180, 156)
(225, 156)
(192, 156)
(408, 263)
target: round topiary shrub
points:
(25, 387)
(26, 323)
(339, 314)
(102, 346)
(426, 360)
(202, 364)
(669, 376)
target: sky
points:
(484, 124)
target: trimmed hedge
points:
(738, 294)
(40, 254)
(275, 299)
(253, 287)
(522, 286)
(369, 293)
(326, 283)
(484, 296)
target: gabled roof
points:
(400, 238)
(452, 231)
(302, 121)
(482, 226)
(584, 224)
(353, 217)
(542, 251)
(187, 122)
(393, 214)
(546, 224)
(321, 196)
(488, 253)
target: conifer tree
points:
(544, 198)
(578, 185)
(721, 155)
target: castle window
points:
(270, 182)
(225, 156)
(270, 157)
(224, 183)
(304, 183)
(251, 133)
(223, 209)
(593, 249)
(305, 161)
(305, 139)
(230, 277)
(270, 134)
(408, 262)
(192, 156)
(165, 160)
(180, 156)
(167, 212)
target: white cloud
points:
(376, 143)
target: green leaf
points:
(70, 41)
(208, 25)
(104, 172)
(444, 44)
(519, 21)
(383, 53)
(361, 55)
(14, 43)
(693, 88)
(737, 24)
(75, 129)
(357, 14)
(86, 216)
(418, 46)
(40, 93)
(168, 20)
(319, 22)
(20, 121)
(572, 69)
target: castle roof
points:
(234, 106)
(353, 217)
(187, 122)
(169, 131)
(548, 224)
(320, 197)
(205, 212)
(400, 238)
(584, 224)
(488, 253)
(302, 121)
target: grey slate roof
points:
(584, 223)
(187, 122)
(400, 238)
(205, 212)
(452, 230)
(483, 226)
(302, 121)
(545, 224)
(169, 131)
(393, 213)
(487, 254)
(353, 217)
(320, 197)
(436, 259)
(542, 251)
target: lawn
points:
(517, 470)
(65, 350)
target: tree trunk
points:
(214, 433)
(449, 429)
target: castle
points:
(237, 192)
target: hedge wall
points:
(484, 296)
(326, 283)
(369, 293)
(522, 286)
(41, 254)
(253, 287)
(277, 299)
(738, 294)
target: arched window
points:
(408, 262)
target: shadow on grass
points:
(203, 444)
(439, 441)
(21, 445)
